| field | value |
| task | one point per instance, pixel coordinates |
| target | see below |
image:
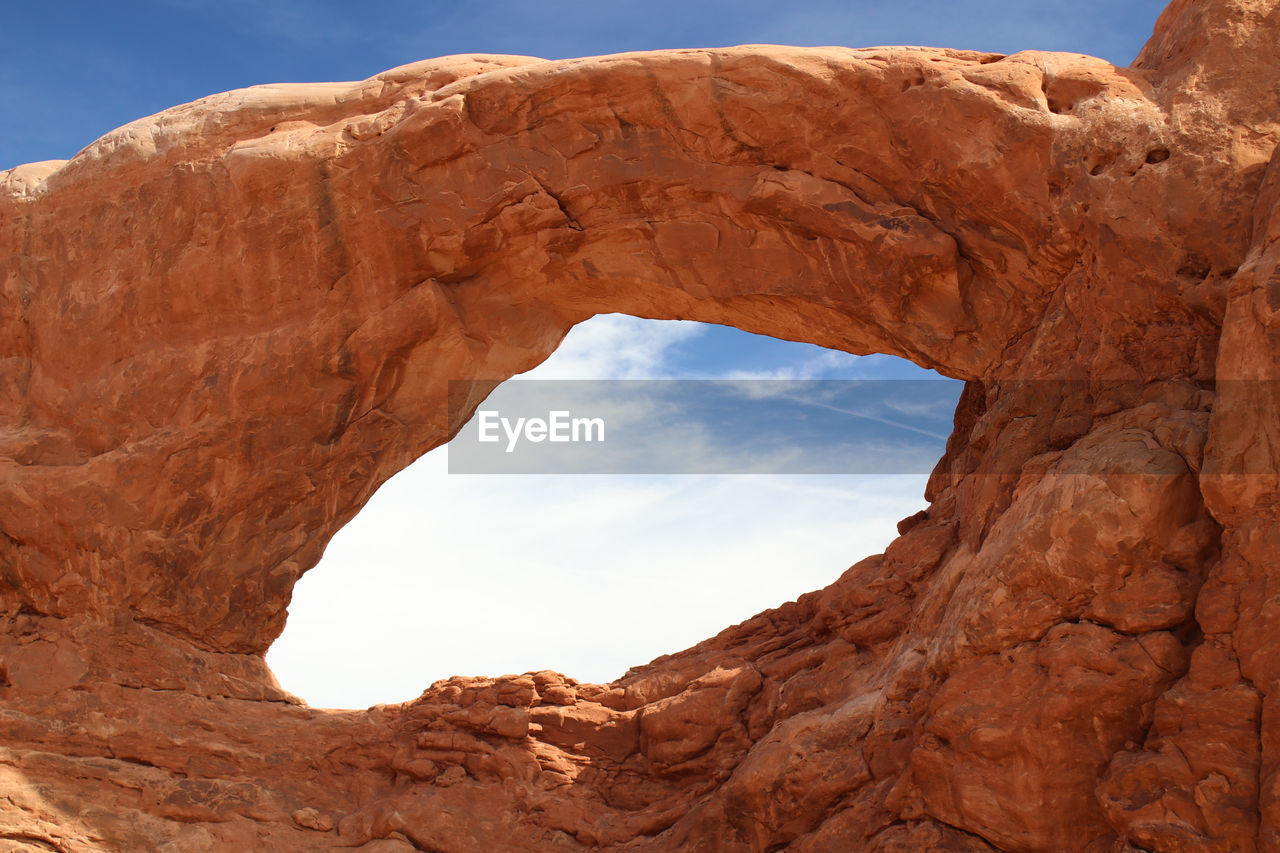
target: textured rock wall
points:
(223, 326)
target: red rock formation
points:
(225, 325)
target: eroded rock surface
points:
(223, 326)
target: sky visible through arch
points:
(446, 574)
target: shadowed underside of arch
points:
(223, 326)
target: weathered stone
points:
(223, 326)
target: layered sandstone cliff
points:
(223, 326)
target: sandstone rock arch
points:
(224, 325)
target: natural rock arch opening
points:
(443, 574)
(477, 246)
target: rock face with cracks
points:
(223, 326)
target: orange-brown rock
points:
(223, 326)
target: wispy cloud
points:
(616, 346)
(823, 365)
(444, 574)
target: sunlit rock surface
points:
(223, 326)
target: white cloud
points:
(616, 346)
(823, 365)
(472, 575)
(453, 575)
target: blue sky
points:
(447, 574)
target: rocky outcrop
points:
(223, 326)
